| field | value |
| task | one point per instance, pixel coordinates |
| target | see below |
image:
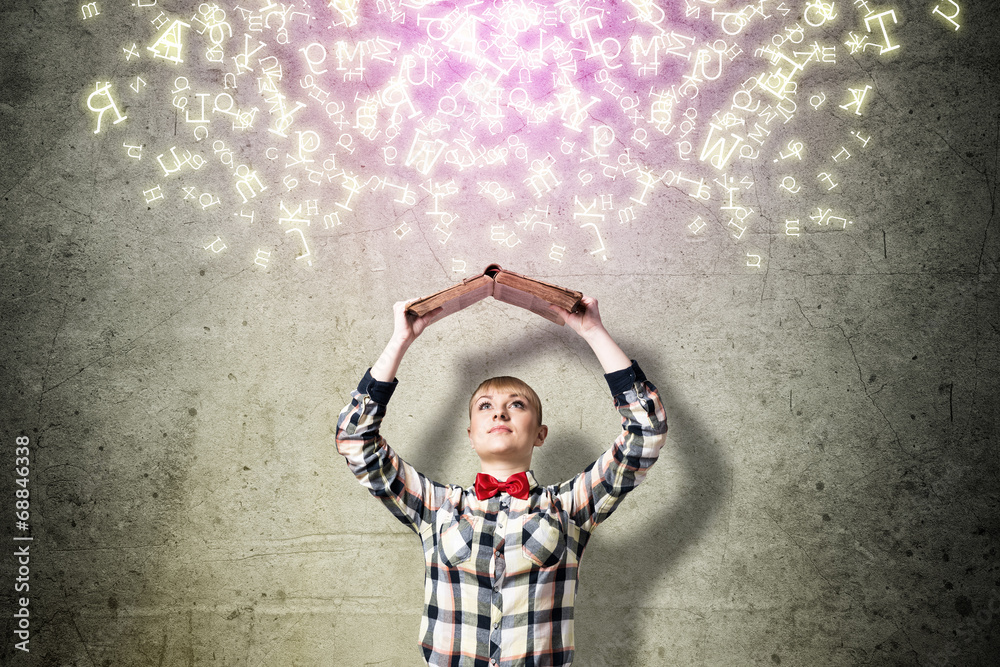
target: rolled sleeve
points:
(621, 381)
(378, 391)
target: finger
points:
(404, 308)
(433, 316)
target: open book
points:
(528, 293)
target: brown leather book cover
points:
(529, 293)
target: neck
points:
(503, 470)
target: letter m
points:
(717, 153)
(90, 11)
(758, 133)
(648, 50)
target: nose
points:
(500, 413)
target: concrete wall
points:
(827, 495)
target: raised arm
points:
(406, 328)
(593, 495)
(588, 324)
(410, 496)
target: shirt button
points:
(496, 625)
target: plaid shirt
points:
(501, 574)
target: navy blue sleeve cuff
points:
(379, 391)
(623, 380)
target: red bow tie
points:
(488, 486)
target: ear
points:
(543, 432)
(468, 432)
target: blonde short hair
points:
(509, 385)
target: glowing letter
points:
(331, 220)
(134, 151)
(888, 46)
(825, 12)
(105, 92)
(314, 63)
(153, 194)
(160, 21)
(249, 184)
(178, 161)
(794, 150)
(168, 45)
(211, 201)
(859, 96)
(829, 179)
(647, 180)
(401, 231)
(424, 152)
(586, 211)
(716, 153)
(864, 142)
(291, 216)
(284, 119)
(598, 232)
(243, 59)
(542, 178)
(949, 19)
(732, 223)
(211, 246)
(581, 27)
(788, 183)
(779, 83)
(305, 247)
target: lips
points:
(501, 429)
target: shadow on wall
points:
(618, 573)
(613, 624)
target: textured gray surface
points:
(828, 493)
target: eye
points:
(485, 405)
(517, 404)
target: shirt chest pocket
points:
(543, 540)
(455, 541)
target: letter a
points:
(168, 45)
